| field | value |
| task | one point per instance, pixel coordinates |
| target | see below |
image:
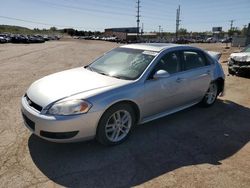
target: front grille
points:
(29, 122)
(241, 63)
(32, 104)
(58, 135)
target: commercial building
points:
(128, 34)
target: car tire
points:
(211, 95)
(116, 124)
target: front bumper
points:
(60, 128)
(238, 66)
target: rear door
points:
(197, 74)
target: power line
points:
(96, 10)
(85, 9)
(40, 23)
(100, 4)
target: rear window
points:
(193, 60)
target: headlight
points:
(71, 107)
(230, 61)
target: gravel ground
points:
(196, 147)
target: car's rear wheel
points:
(211, 95)
(115, 125)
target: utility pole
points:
(138, 16)
(159, 31)
(178, 11)
(231, 27)
(142, 28)
(231, 24)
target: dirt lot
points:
(193, 148)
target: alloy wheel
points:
(118, 125)
(211, 93)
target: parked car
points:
(2, 39)
(239, 63)
(35, 39)
(129, 85)
(182, 41)
(53, 37)
(20, 39)
(211, 40)
(226, 40)
(46, 37)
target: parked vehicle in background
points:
(5, 38)
(226, 40)
(182, 41)
(129, 85)
(2, 39)
(211, 40)
(46, 37)
(35, 39)
(53, 37)
(239, 63)
(20, 39)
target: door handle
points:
(208, 72)
(180, 80)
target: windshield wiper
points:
(103, 73)
(106, 74)
(121, 77)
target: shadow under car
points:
(190, 137)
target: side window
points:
(170, 63)
(193, 59)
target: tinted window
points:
(169, 63)
(193, 60)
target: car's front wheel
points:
(115, 125)
(211, 95)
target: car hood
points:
(67, 83)
(242, 57)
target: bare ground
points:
(194, 148)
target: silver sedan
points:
(129, 85)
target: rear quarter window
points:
(210, 60)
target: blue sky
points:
(196, 15)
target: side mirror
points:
(161, 74)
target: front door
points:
(163, 94)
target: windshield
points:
(123, 63)
(247, 49)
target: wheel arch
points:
(129, 102)
(221, 82)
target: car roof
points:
(157, 47)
